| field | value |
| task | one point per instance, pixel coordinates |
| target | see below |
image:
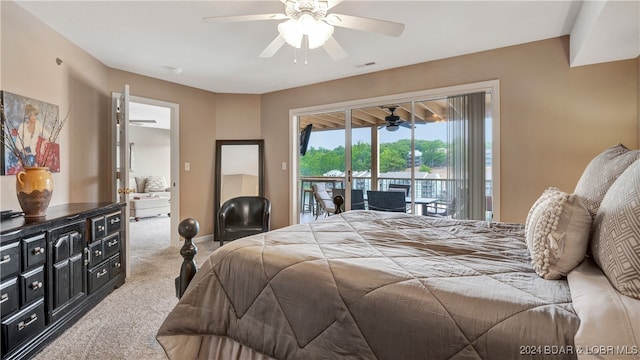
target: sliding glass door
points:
(439, 149)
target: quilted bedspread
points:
(375, 285)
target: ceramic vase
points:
(34, 187)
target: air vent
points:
(371, 63)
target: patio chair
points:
(324, 201)
(386, 201)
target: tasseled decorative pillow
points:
(557, 233)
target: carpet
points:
(124, 324)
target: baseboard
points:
(200, 239)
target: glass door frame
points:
(490, 86)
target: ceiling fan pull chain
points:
(306, 50)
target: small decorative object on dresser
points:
(34, 186)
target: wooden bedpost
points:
(338, 200)
(188, 229)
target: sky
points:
(331, 139)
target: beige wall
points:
(204, 117)
(554, 119)
(29, 52)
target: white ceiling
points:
(152, 38)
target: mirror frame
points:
(218, 186)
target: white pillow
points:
(557, 233)
(155, 184)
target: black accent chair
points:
(243, 216)
(357, 198)
(386, 201)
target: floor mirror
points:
(239, 171)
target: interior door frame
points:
(174, 160)
(489, 86)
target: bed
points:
(378, 285)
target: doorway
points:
(154, 158)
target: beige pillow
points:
(601, 172)
(140, 181)
(615, 243)
(557, 233)
(155, 184)
(537, 204)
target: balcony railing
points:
(422, 188)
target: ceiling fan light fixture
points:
(317, 31)
(291, 31)
(320, 33)
(392, 127)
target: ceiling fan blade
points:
(335, 51)
(241, 18)
(405, 124)
(383, 27)
(273, 47)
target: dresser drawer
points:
(22, 326)
(113, 222)
(115, 265)
(98, 228)
(98, 277)
(96, 253)
(32, 285)
(9, 300)
(10, 260)
(34, 251)
(111, 245)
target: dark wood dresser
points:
(53, 270)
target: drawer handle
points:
(116, 220)
(4, 298)
(36, 285)
(100, 227)
(5, 259)
(112, 243)
(117, 265)
(24, 324)
(37, 251)
(86, 258)
(97, 253)
(101, 273)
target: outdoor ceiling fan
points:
(393, 121)
(308, 24)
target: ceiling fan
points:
(393, 121)
(308, 23)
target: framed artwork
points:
(29, 128)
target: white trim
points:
(490, 86)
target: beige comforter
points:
(374, 285)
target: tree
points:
(391, 160)
(361, 157)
